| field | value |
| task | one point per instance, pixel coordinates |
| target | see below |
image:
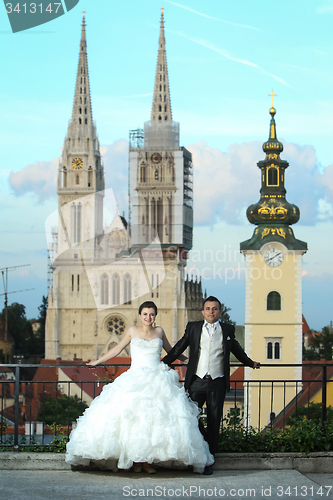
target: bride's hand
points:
(92, 363)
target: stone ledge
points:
(312, 463)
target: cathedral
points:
(102, 274)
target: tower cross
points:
(272, 95)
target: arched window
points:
(160, 108)
(64, 177)
(156, 175)
(77, 179)
(127, 289)
(142, 173)
(165, 108)
(273, 301)
(272, 176)
(76, 223)
(80, 121)
(89, 177)
(86, 121)
(104, 289)
(269, 350)
(273, 348)
(160, 118)
(80, 111)
(115, 289)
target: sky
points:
(224, 59)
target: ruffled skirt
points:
(143, 416)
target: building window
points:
(127, 289)
(115, 325)
(273, 348)
(78, 282)
(156, 175)
(115, 289)
(76, 223)
(273, 301)
(104, 289)
(64, 177)
(72, 282)
(142, 173)
(272, 177)
(77, 179)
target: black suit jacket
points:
(191, 339)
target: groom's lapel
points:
(197, 332)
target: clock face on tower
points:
(77, 163)
(273, 257)
(156, 158)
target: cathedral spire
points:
(161, 108)
(82, 121)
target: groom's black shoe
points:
(208, 470)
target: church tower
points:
(80, 175)
(71, 317)
(160, 183)
(161, 193)
(273, 298)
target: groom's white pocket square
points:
(228, 338)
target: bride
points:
(144, 416)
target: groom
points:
(208, 370)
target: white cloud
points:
(39, 178)
(225, 184)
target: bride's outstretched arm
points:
(167, 347)
(114, 351)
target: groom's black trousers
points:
(212, 392)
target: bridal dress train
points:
(143, 416)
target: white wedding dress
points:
(143, 416)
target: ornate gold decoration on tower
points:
(272, 214)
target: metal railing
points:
(25, 400)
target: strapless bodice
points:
(146, 353)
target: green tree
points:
(18, 327)
(39, 340)
(312, 411)
(321, 346)
(225, 318)
(62, 410)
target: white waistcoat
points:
(211, 354)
